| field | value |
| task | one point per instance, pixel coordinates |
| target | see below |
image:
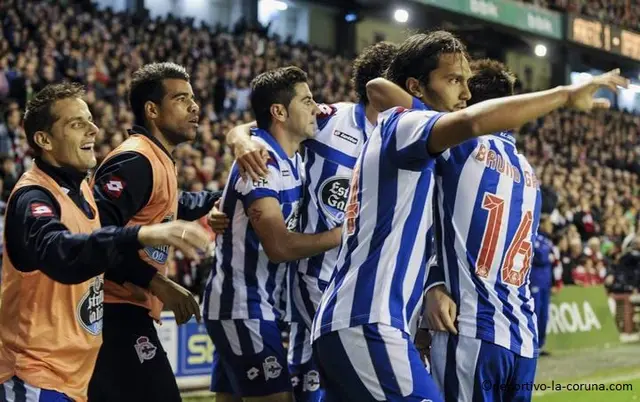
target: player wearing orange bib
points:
(51, 298)
(137, 184)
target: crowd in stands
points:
(625, 13)
(589, 164)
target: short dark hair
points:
(274, 86)
(419, 55)
(371, 63)
(146, 85)
(39, 115)
(491, 79)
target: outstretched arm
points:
(513, 111)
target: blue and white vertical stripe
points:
(16, 390)
(386, 243)
(244, 283)
(488, 212)
(329, 159)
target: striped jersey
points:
(386, 239)
(329, 158)
(488, 209)
(244, 284)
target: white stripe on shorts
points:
(466, 359)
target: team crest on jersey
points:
(159, 254)
(90, 309)
(271, 367)
(311, 381)
(333, 195)
(145, 349)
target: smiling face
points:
(71, 140)
(178, 113)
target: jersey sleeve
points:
(249, 190)
(405, 134)
(194, 205)
(123, 186)
(40, 241)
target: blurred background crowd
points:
(619, 12)
(589, 164)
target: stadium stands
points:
(589, 164)
(619, 12)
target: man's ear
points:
(43, 140)
(414, 88)
(278, 112)
(150, 110)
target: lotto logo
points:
(253, 373)
(114, 187)
(39, 209)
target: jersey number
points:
(353, 206)
(520, 246)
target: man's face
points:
(302, 111)
(178, 113)
(448, 90)
(73, 135)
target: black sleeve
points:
(122, 187)
(39, 240)
(194, 205)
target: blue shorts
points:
(16, 390)
(373, 362)
(470, 369)
(249, 359)
(305, 293)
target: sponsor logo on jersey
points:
(345, 136)
(333, 195)
(41, 210)
(114, 186)
(90, 309)
(293, 219)
(159, 254)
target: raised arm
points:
(384, 94)
(278, 242)
(513, 111)
(251, 155)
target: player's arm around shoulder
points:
(278, 242)
(261, 201)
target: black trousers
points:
(132, 365)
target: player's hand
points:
(441, 311)
(188, 237)
(252, 159)
(176, 298)
(217, 220)
(581, 95)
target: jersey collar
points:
(269, 139)
(143, 131)
(67, 177)
(507, 136)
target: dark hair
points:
(371, 63)
(491, 79)
(274, 86)
(419, 55)
(39, 115)
(146, 85)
